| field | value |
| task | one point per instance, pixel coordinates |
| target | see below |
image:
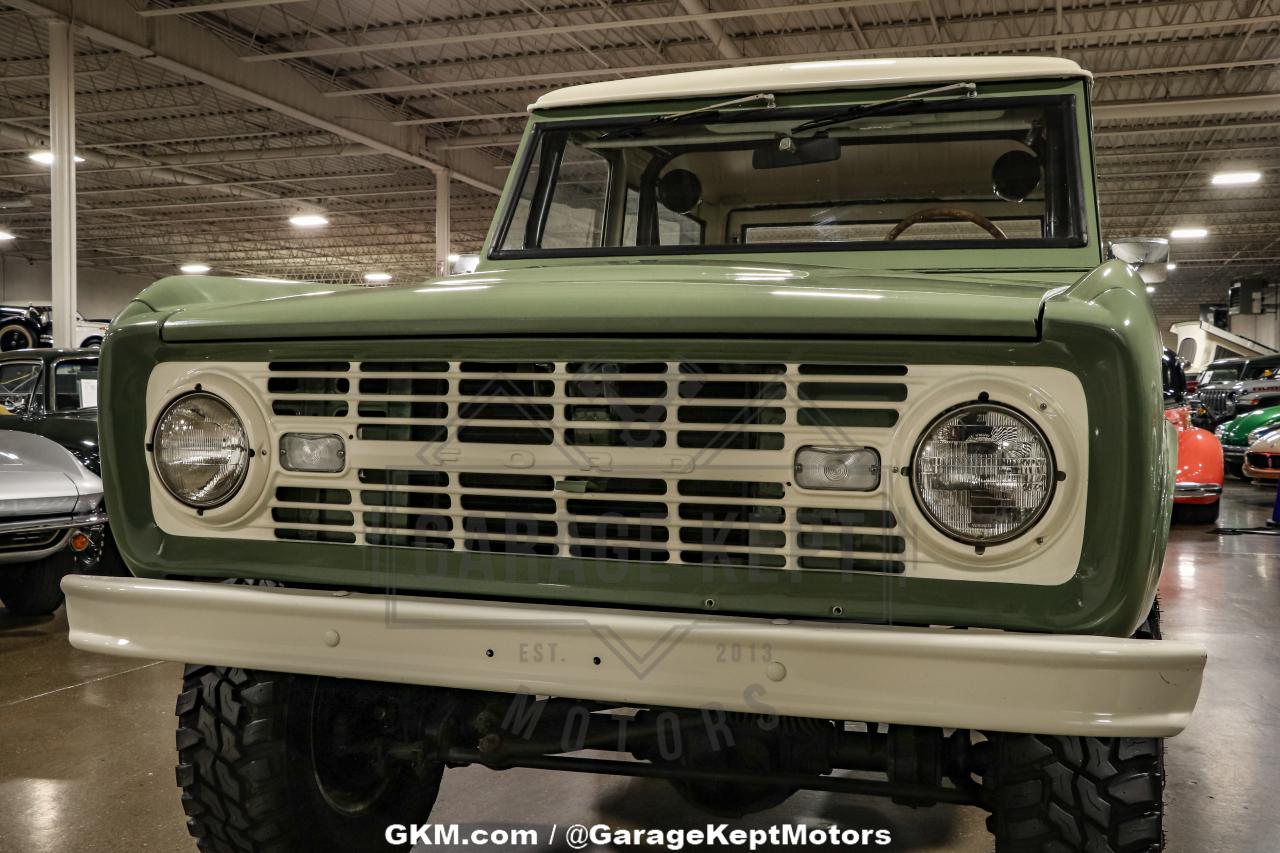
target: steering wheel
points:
(932, 214)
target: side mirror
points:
(1149, 256)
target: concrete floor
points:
(87, 743)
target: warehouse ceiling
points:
(205, 124)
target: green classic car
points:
(1238, 433)
(794, 421)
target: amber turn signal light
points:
(79, 541)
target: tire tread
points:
(231, 770)
(1077, 794)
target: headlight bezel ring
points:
(1054, 475)
(228, 494)
(168, 384)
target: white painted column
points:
(62, 183)
(442, 223)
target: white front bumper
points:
(987, 680)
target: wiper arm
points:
(705, 112)
(969, 90)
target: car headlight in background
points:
(201, 450)
(983, 474)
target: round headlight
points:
(983, 474)
(201, 450)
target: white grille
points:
(661, 462)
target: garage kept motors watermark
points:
(578, 836)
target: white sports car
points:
(50, 516)
(1262, 460)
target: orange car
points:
(1198, 493)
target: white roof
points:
(799, 76)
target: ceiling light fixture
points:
(195, 269)
(1151, 288)
(308, 220)
(1227, 179)
(7, 235)
(1171, 266)
(453, 259)
(376, 277)
(1189, 233)
(45, 158)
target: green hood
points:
(1236, 431)
(619, 298)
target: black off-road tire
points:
(246, 766)
(1196, 513)
(1077, 794)
(1053, 794)
(35, 589)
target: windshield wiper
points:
(701, 112)
(970, 90)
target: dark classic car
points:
(20, 328)
(54, 393)
(31, 326)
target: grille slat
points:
(1215, 400)
(576, 460)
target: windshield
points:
(952, 173)
(18, 381)
(1220, 374)
(1259, 371)
(75, 384)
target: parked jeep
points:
(793, 421)
(1220, 388)
(50, 518)
(1259, 389)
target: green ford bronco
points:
(795, 422)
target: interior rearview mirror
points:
(779, 153)
(1149, 256)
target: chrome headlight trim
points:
(164, 474)
(1053, 475)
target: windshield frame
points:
(51, 378)
(1081, 247)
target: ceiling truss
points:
(206, 123)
